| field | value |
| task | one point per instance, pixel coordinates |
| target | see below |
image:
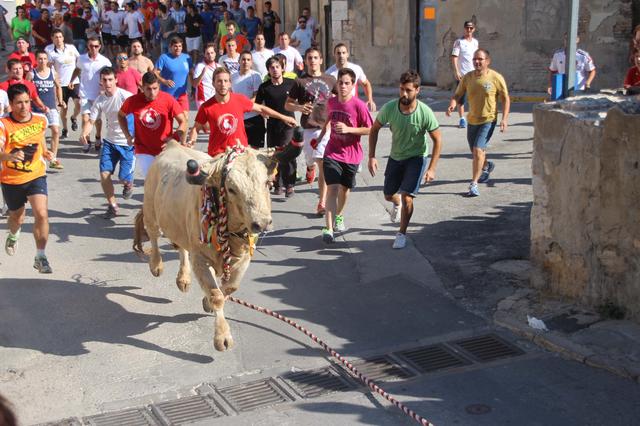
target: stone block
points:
(339, 10)
(584, 219)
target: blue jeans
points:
(81, 45)
(478, 135)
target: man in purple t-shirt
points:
(349, 119)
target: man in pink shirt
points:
(128, 77)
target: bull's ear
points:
(269, 161)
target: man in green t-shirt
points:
(410, 120)
(484, 87)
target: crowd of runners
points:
(128, 75)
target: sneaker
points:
(127, 191)
(11, 245)
(327, 236)
(395, 214)
(42, 265)
(320, 209)
(112, 211)
(290, 192)
(278, 190)
(463, 123)
(400, 242)
(486, 172)
(473, 190)
(55, 164)
(340, 227)
(74, 124)
(98, 144)
(64, 134)
(311, 174)
(86, 148)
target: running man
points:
(462, 62)
(203, 75)
(23, 173)
(247, 82)
(309, 96)
(348, 119)
(115, 148)
(153, 114)
(50, 92)
(174, 71)
(341, 57)
(410, 121)
(484, 87)
(137, 59)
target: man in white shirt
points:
(341, 57)
(116, 20)
(260, 55)
(231, 60)
(302, 37)
(63, 57)
(585, 68)
(247, 81)
(462, 62)
(133, 20)
(203, 75)
(88, 68)
(115, 149)
(294, 59)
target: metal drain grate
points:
(132, 417)
(488, 348)
(432, 358)
(382, 368)
(310, 384)
(254, 395)
(64, 422)
(185, 410)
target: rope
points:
(409, 412)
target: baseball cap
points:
(469, 24)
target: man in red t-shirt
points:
(22, 54)
(224, 113)
(16, 75)
(632, 79)
(153, 114)
(128, 77)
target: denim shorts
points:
(113, 154)
(478, 135)
(404, 176)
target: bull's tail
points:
(140, 234)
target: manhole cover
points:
(477, 409)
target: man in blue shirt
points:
(252, 25)
(209, 27)
(175, 72)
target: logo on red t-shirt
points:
(227, 123)
(150, 118)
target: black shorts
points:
(16, 195)
(147, 35)
(69, 93)
(254, 127)
(122, 41)
(404, 176)
(339, 173)
(107, 39)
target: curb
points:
(528, 99)
(560, 344)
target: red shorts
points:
(183, 100)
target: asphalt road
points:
(101, 335)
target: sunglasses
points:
(95, 46)
(122, 58)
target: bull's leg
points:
(183, 280)
(153, 230)
(212, 301)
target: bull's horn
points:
(293, 148)
(195, 176)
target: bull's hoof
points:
(223, 343)
(183, 284)
(206, 306)
(157, 271)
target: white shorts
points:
(310, 154)
(144, 161)
(85, 106)
(193, 43)
(53, 116)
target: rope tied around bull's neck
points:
(215, 216)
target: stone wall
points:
(585, 227)
(521, 35)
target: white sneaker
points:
(396, 211)
(400, 242)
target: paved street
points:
(101, 335)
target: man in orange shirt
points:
(149, 13)
(242, 43)
(23, 175)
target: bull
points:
(238, 183)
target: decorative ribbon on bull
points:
(214, 217)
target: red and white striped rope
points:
(409, 412)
